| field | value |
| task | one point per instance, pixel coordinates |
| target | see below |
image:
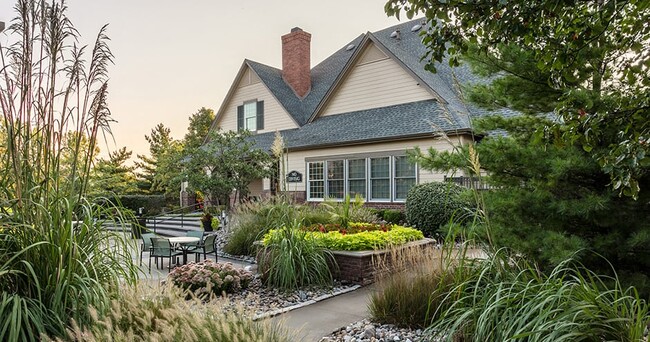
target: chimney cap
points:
(296, 29)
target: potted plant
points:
(206, 221)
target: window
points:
(357, 177)
(316, 180)
(380, 178)
(404, 177)
(335, 179)
(250, 116)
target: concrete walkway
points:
(312, 322)
(309, 323)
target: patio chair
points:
(196, 248)
(146, 245)
(162, 248)
(208, 248)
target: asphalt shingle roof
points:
(410, 119)
(423, 117)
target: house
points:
(348, 121)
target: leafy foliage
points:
(430, 205)
(209, 277)
(227, 161)
(592, 58)
(348, 211)
(198, 129)
(364, 240)
(252, 220)
(410, 299)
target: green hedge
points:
(430, 205)
(152, 204)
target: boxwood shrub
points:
(430, 205)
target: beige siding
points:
(371, 54)
(376, 84)
(275, 117)
(297, 159)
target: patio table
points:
(184, 243)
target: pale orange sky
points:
(173, 57)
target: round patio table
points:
(184, 243)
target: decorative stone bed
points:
(362, 267)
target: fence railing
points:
(469, 182)
(173, 215)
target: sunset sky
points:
(174, 57)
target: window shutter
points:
(240, 118)
(260, 115)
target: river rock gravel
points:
(366, 331)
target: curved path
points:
(312, 322)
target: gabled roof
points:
(323, 76)
(449, 112)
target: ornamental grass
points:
(56, 260)
(161, 314)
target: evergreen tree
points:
(113, 176)
(551, 200)
(160, 143)
(198, 128)
(594, 54)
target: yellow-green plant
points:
(56, 260)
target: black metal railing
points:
(171, 215)
(469, 182)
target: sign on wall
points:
(294, 177)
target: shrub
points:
(152, 204)
(384, 237)
(348, 211)
(210, 277)
(353, 227)
(164, 314)
(368, 240)
(390, 215)
(293, 258)
(430, 205)
(253, 220)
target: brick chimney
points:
(296, 61)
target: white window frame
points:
(394, 179)
(308, 180)
(248, 116)
(368, 180)
(390, 180)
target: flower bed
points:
(208, 276)
(353, 227)
(368, 237)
